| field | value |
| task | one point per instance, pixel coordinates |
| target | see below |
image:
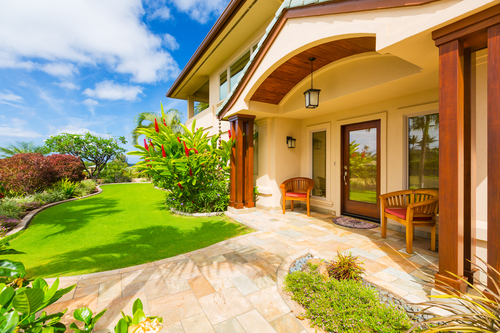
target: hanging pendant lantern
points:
(312, 95)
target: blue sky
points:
(93, 65)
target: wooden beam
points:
(451, 164)
(493, 150)
(232, 178)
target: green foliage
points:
(344, 306)
(9, 208)
(477, 310)
(22, 147)
(117, 171)
(67, 187)
(190, 166)
(85, 187)
(200, 107)
(346, 267)
(171, 118)
(85, 316)
(129, 324)
(89, 148)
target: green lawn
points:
(125, 225)
(363, 196)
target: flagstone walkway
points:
(232, 286)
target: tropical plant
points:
(477, 310)
(88, 147)
(85, 187)
(116, 171)
(345, 267)
(171, 118)
(189, 166)
(66, 186)
(138, 322)
(423, 124)
(200, 107)
(22, 147)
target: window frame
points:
(406, 162)
(315, 129)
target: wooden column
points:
(451, 163)
(469, 170)
(241, 187)
(232, 179)
(493, 149)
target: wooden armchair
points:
(297, 189)
(411, 208)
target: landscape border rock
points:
(196, 214)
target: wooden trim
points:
(467, 25)
(312, 10)
(451, 162)
(493, 150)
(231, 10)
(249, 203)
(232, 182)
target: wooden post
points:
(241, 187)
(451, 164)
(493, 149)
(232, 178)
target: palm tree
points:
(200, 107)
(424, 123)
(147, 120)
(22, 147)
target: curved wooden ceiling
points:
(289, 74)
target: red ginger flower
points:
(164, 123)
(186, 150)
(180, 186)
(190, 172)
(178, 139)
(151, 144)
(229, 132)
(163, 151)
(146, 145)
(157, 129)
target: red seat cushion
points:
(401, 213)
(296, 195)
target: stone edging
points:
(196, 214)
(27, 219)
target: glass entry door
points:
(361, 169)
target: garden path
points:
(232, 286)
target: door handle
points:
(345, 174)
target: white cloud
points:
(201, 10)
(72, 129)
(113, 91)
(67, 85)
(90, 104)
(59, 69)
(7, 96)
(170, 42)
(162, 13)
(18, 132)
(54, 103)
(82, 33)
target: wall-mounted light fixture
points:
(290, 142)
(312, 95)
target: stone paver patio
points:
(232, 286)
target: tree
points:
(200, 107)
(22, 147)
(171, 118)
(89, 148)
(424, 124)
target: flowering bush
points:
(7, 224)
(190, 166)
(33, 172)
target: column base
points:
(444, 282)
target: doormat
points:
(353, 223)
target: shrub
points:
(29, 205)
(190, 166)
(85, 187)
(345, 267)
(7, 224)
(33, 172)
(66, 186)
(116, 171)
(10, 208)
(344, 306)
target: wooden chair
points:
(411, 208)
(297, 189)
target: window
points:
(233, 73)
(319, 163)
(423, 151)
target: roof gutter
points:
(221, 23)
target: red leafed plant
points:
(346, 267)
(33, 172)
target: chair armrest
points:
(423, 203)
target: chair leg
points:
(291, 204)
(433, 238)
(308, 207)
(284, 204)
(409, 238)
(384, 226)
